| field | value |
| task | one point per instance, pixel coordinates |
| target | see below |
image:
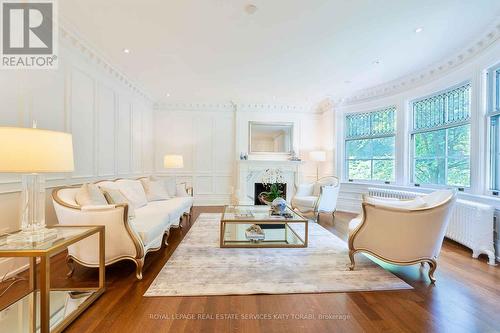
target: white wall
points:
(212, 138)
(111, 123)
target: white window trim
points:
(345, 159)
(412, 133)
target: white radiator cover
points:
(471, 223)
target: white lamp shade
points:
(173, 162)
(317, 156)
(31, 150)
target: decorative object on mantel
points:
(32, 152)
(243, 156)
(272, 179)
(294, 157)
(317, 156)
(255, 233)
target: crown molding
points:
(69, 37)
(427, 75)
(240, 107)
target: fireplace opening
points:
(259, 188)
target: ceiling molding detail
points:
(243, 107)
(72, 39)
(431, 73)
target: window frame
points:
(413, 132)
(492, 111)
(369, 137)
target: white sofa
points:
(126, 238)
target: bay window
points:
(440, 138)
(370, 145)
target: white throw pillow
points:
(155, 189)
(114, 196)
(305, 190)
(181, 191)
(90, 195)
(416, 203)
(170, 184)
(133, 191)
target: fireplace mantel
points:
(251, 171)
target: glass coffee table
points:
(255, 226)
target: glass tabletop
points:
(61, 234)
(261, 213)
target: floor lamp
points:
(33, 152)
(317, 156)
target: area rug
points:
(199, 267)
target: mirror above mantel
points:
(270, 138)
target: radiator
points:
(471, 223)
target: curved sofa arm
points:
(401, 235)
(121, 239)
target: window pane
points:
(497, 92)
(383, 147)
(495, 152)
(374, 123)
(359, 149)
(430, 144)
(359, 169)
(446, 108)
(430, 171)
(459, 172)
(459, 141)
(383, 170)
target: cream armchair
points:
(320, 197)
(402, 232)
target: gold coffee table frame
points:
(297, 218)
(44, 283)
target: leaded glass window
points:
(370, 145)
(441, 138)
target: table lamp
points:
(34, 152)
(317, 156)
(173, 162)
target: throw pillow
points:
(116, 197)
(155, 190)
(90, 195)
(181, 190)
(133, 191)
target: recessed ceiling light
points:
(250, 9)
(376, 62)
(347, 81)
(167, 94)
(419, 29)
(127, 51)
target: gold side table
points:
(58, 307)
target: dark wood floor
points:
(466, 298)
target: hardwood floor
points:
(466, 298)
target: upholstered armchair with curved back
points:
(402, 232)
(319, 197)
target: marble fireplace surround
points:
(250, 172)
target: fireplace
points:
(259, 188)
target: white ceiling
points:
(288, 52)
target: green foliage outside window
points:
(370, 144)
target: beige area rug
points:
(200, 267)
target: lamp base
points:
(32, 236)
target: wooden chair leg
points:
(351, 257)
(71, 266)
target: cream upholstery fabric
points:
(133, 191)
(418, 202)
(90, 195)
(401, 234)
(181, 191)
(318, 197)
(115, 196)
(155, 189)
